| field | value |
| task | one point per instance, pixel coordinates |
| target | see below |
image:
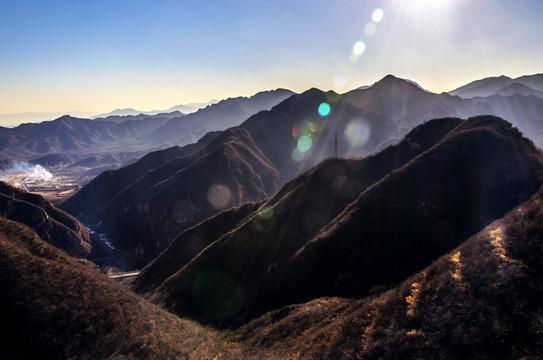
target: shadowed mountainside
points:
(473, 175)
(245, 163)
(53, 225)
(482, 300)
(324, 191)
(94, 197)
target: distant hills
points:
(118, 139)
(123, 136)
(184, 109)
(502, 85)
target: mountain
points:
(119, 112)
(533, 85)
(481, 300)
(351, 216)
(517, 88)
(321, 193)
(245, 163)
(53, 225)
(109, 142)
(90, 202)
(129, 112)
(466, 286)
(53, 306)
(403, 101)
(69, 135)
(219, 116)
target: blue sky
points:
(95, 56)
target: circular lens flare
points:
(370, 29)
(304, 143)
(358, 132)
(324, 109)
(219, 196)
(297, 155)
(340, 81)
(359, 48)
(377, 15)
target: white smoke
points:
(24, 169)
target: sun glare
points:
(428, 7)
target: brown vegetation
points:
(53, 225)
(53, 306)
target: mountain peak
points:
(391, 80)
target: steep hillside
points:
(53, 225)
(473, 175)
(54, 307)
(94, 197)
(144, 212)
(320, 193)
(229, 171)
(482, 300)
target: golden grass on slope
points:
(482, 300)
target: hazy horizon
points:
(63, 57)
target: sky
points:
(89, 57)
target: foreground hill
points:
(54, 307)
(482, 300)
(53, 225)
(391, 222)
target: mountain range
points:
(128, 112)
(137, 208)
(502, 85)
(428, 248)
(145, 210)
(114, 141)
(351, 216)
(386, 222)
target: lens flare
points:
(359, 48)
(324, 109)
(303, 127)
(297, 155)
(304, 143)
(219, 196)
(358, 132)
(265, 212)
(370, 29)
(218, 294)
(377, 15)
(340, 81)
